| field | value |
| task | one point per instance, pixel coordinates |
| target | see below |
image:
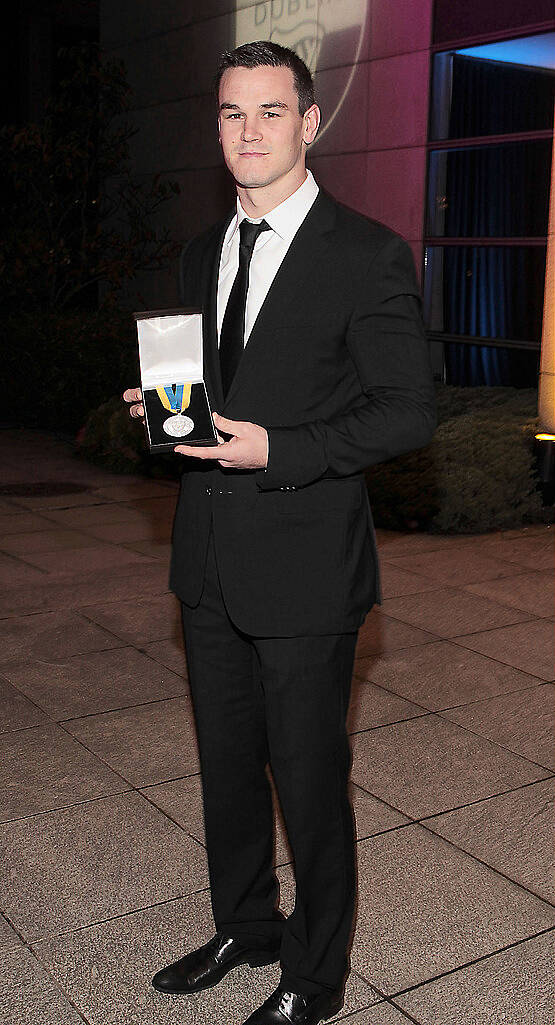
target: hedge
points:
(478, 474)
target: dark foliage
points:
(76, 225)
(478, 473)
(57, 367)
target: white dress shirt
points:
(269, 251)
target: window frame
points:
(437, 145)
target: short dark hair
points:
(266, 54)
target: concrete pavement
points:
(102, 864)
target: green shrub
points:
(478, 473)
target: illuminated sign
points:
(308, 27)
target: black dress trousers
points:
(280, 701)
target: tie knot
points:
(249, 232)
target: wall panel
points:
(371, 59)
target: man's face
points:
(262, 134)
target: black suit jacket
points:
(337, 370)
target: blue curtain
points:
(499, 191)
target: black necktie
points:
(232, 334)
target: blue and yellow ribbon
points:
(175, 399)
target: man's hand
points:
(246, 450)
(137, 412)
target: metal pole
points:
(545, 439)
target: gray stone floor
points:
(102, 863)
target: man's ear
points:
(311, 118)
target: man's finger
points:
(133, 395)
(137, 412)
(201, 452)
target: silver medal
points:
(178, 426)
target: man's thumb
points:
(228, 426)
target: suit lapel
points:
(308, 247)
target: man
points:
(316, 362)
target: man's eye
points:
(270, 113)
(230, 117)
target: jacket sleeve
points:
(395, 411)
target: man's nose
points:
(251, 130)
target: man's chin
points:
(252, 181)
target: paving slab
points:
(521, 722)
(104, 512)
(156, 509)
(7, 507)
(156, 549)
(383, 1013)
(529, 548)
(148, 744)
(139, 622)
(127, 490)
(49, 636)
(42, 768)
(455, 566)
(512, 987)
(396, 581)
(107, 969)
(97, 682)
(16, 711)
(393, 544)
(181, 800)
(16, 573)
(373, 816)
(127, 581)
(449, 613)
(426, 907)
(21, 522)
(92, 559)
(373, 706)
(381, 633)
(425, 766)
(29, 995)
(8, 937)
(531, 592)
(442, 674)
(513, 833)
(63, 500)
(51, 540)
(526, 646)
(97, 860)
(136, 531)
(169, 653)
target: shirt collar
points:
(286, 218)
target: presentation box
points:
(177, 410)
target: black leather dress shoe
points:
(285, 1008)
(206, 966)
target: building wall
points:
(371, 60)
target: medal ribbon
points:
(176, 401)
